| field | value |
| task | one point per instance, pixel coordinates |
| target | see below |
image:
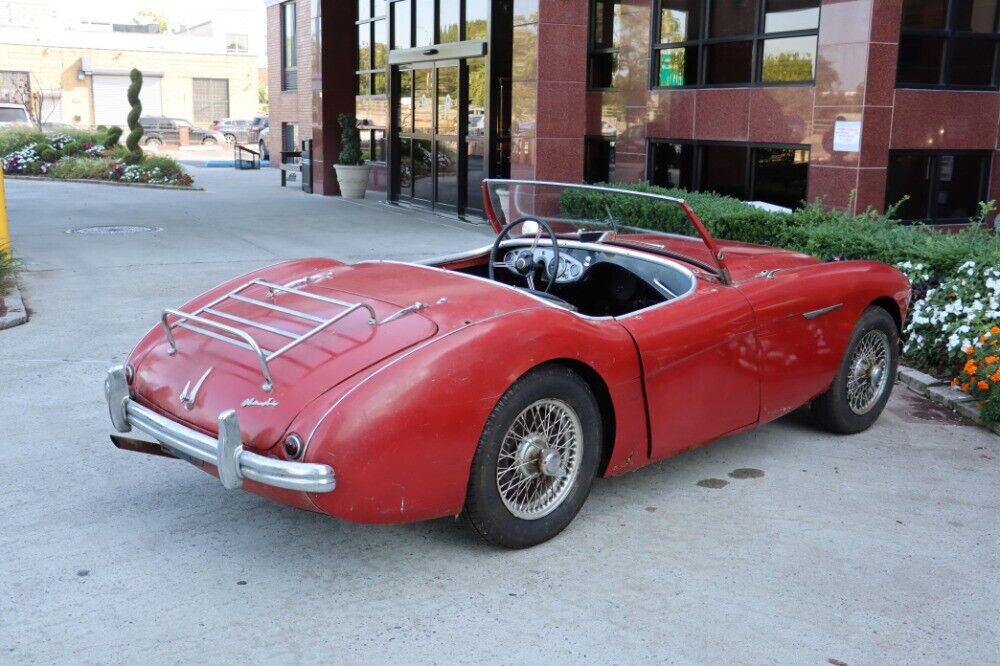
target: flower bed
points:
(77, 154)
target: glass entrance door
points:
(441, 143)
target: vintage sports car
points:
(498, 383)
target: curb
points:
(941, 393)
(16, 313)
(94, 181)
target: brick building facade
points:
(856, 102)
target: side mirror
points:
(530, 228)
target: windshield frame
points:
(490, 184)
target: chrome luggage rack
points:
(196, 322)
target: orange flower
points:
(982, 338)
(995, 376)
(990, 360)
(983, 385)
(954, 382)
(970, 350)
(970, 367)
(995, 330)
(965, 387)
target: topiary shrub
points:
(72, 148)
(135, 129)
(114, 135)
(350, 141)
(49, 154)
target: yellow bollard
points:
(4, 228)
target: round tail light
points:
(294, 446)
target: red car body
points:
(397, 409)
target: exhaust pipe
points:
(139, 446)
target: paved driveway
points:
(877, 548)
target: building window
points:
(948, 43)
(373, 61)
(940, 187)
(604, 43)
(15, 88)
(740, 42)
(237, 44)
(774, 174)
(289, 57)
(598, 159)
(211, 100)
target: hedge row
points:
(822, 233)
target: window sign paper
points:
(847, 136)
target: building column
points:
(549, 106)
(855, 81)
(332, 85)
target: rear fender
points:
(402, 435)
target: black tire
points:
(230, 138)
(485, 510)
(153, 143)
(209, 141)
(833, 410)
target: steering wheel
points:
(525, 266)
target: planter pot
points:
(353, 180)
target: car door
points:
(700, 366)
(804, 325)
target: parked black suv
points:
(159, 130)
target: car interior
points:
(594, 280)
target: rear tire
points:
(536, 459)
(209, 141)
(864, 382)
(153, 143)
(230, 139)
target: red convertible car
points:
(498, 383)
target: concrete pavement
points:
(876, 548)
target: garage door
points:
(111, 105)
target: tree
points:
(153, 17)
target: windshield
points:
(15, 115)
(651, 222)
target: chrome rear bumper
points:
(226, 453)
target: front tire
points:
(209, 141)
(864, 382)
(536, 459)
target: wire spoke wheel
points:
(539, 458)
(869, 372)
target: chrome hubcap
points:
(539, 459)
(869, 372)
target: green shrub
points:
(16, 138)
(350, 141)
(71, 149)
(826, 234)
(118, 152)
(90, 168)
(49, 154)
(167, 166)
(82, 136)
(111, 140)
(8, 267)
(135, 128)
